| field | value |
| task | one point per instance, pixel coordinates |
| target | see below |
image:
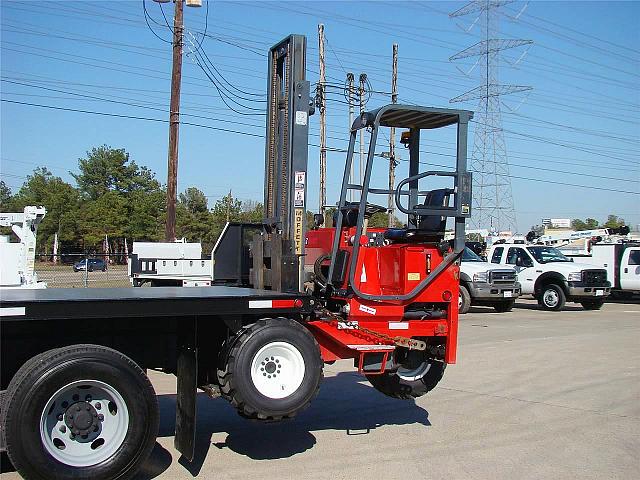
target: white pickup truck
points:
(484, 284)
(551, 277)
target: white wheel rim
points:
(93, 409)
(551, 298)
(459, 300)
(414, 374)
(277, 370)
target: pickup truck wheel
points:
(552, 297)
(411, 380)
(464, 300)
(592, 304)
(82, 412)
(271, 370)
(504, 306)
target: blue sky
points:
(579, 126)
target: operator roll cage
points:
(416, 119)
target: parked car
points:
(94, 264)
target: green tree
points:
(613, 221)
(588, 224)
(147, 215)
(108, 169)
(5, 197)
(194, 200)
(227, 207)
(194, 221)
(105, 216)
(136, 207)
(578, 224)
(591, 223)
(252, 212)
(381, 220)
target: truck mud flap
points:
(186, 402)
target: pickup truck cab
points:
(482, 283)
(551, 277)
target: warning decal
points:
(298, 237)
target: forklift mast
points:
(277, 252)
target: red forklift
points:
(75, 400)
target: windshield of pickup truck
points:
(547, 254)
(469, 255)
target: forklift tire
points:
(271, 370)
(552, 297)
(116, 420)
(406, 384)
(464, 300)
(592, 304)
(505, 306)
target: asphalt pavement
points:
(534, 395)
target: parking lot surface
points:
(534, 395)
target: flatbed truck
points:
(76, 402)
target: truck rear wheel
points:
(552, 297)
(82, 412)
(592, 304)
(271, 370)
(412, 380)
(464, 300)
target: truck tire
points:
(408, 383)
(79, 412)
(552, 297)
(464, 300)
(592, 304)
(504, 306)
(271, 370)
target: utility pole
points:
(392, 136)
(361, 92)
(350, 80)
(323, 121)
(174, 123)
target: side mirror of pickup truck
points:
(523, 262)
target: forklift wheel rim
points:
(411, 375)
(277, 370)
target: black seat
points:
(431, 228)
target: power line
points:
(146, 19)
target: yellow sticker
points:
(413, 276)
(297, 233)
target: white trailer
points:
(169, 264)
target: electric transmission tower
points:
(492, 197)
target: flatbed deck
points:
(24, 304)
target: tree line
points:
(116, 198)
